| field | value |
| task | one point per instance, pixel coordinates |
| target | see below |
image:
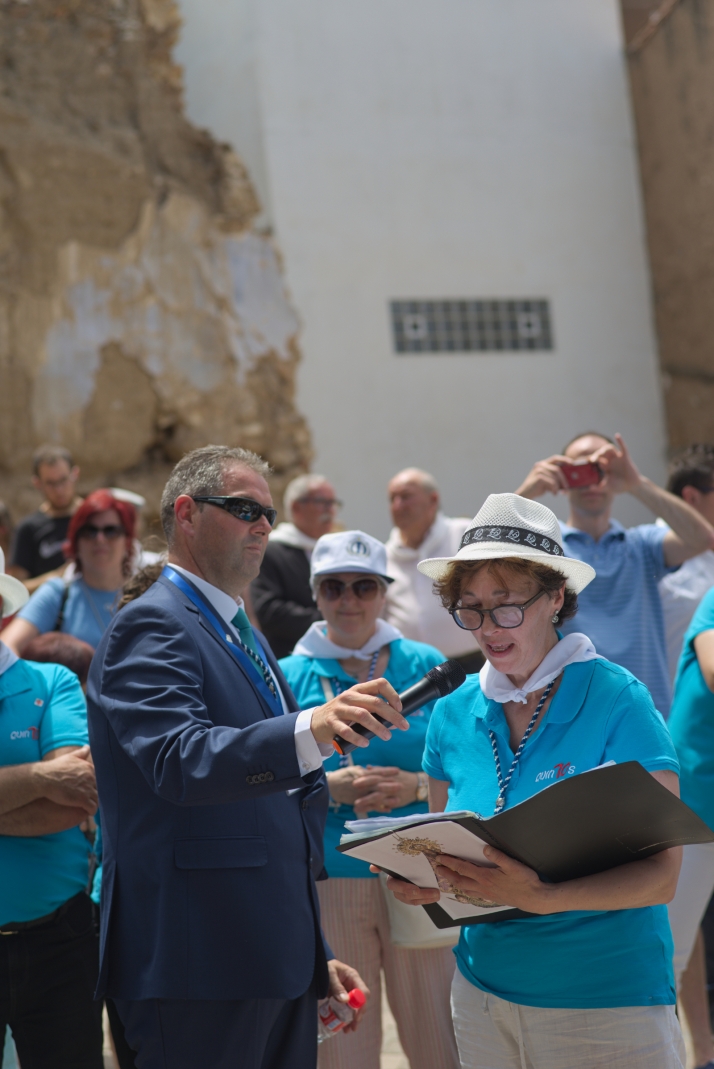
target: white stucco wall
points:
(443, 149)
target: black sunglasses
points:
(243, 508)
(111, 532)
(507, 616)
(364, 589)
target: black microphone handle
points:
(412, 699)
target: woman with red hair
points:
(100, 543)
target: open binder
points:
(574, 827)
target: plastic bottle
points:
(333, 1015)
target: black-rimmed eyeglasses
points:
(502, 616)
(243, 508)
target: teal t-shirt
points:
(42, 707)
(408, 662)
(691, 722)
(579, 959)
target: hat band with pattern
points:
(519, 536)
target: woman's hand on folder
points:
(409, 893)
(508, 881)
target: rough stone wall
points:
(672, 78)
(140, 315)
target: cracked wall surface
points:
(140, 315)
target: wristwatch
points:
(422, 787)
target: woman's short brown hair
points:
(449, 588)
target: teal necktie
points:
(243, 626)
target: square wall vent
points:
(476, 326)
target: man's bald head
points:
(414, 503)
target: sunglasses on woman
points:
(364, 589)
(243, 508)
(111, 532)
(507, 616)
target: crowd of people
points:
(171, 799)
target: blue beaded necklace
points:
(346, 760)
(503, 783)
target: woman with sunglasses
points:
(100, 543)
(351, 645)
(587, 980)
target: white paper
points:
(445, 837)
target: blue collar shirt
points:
(621, 611)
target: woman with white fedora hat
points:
(351, 645)
(588, 980)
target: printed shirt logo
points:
(563, 768)
(39, 702)
(28, 733)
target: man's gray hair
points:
(301, 487)
(423, 478)
(201, 474)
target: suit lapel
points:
(209, 629)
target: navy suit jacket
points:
(208, 888)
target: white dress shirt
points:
(310, 754)
(412, 605)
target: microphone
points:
(444, 679)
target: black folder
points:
(576, 827)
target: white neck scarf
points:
(7, 658)
(498, 687)
(315, 643)
(290, 535)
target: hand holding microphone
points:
(358, 708)
(358, 714)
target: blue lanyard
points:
(256, 666)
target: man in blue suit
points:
(212, 798)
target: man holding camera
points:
(621, 609)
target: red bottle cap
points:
(356, 998)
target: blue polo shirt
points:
(42, 707)
(87, 612)
(408, 662)
(621, 610)
(691, 722)
(579, 959)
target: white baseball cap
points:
(508, 525)
(348, 551)
(13, 593)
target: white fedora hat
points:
(13, 593)
(508, 525)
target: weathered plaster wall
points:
(672, 77)
(140, 315)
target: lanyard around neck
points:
(258, 669)
(346, 759)
(503, 783)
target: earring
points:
(554, 619)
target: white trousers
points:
(687, 908)
(494, 1034)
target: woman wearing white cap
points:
(351, 645)
(587, 982)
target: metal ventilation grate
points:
(471, 326)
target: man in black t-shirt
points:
(37, 549)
